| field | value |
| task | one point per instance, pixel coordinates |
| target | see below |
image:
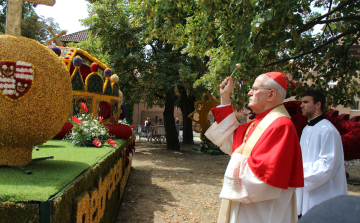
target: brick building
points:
(155, 113)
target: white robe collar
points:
(315, 120)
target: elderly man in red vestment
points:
(266, 163)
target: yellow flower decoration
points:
(40, 114)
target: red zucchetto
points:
(278, 77)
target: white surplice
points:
(323, 162)
(251, 200)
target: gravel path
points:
(184, 186)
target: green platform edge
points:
(57, 208)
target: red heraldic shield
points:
(16, 78)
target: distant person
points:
(177, 125)
(322, 153)
(265, 166)
(159, 132)
(148, 128)
(146, 120)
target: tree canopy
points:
(262, 36)
(153, 71)
(163, 49)
(32, 25)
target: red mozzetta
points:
(276, 158)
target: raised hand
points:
(225, 89)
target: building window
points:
(355, 106)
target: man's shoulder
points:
(323, 128)
(282, 124)
(283, 121)
(326, 126)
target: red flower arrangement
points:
(97, 143)
(111, 142)
(120, 131)
(348, 130)
(64, 130)
(84, 107)
(76, 120)
(105, 109)
(88, 131)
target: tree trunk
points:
(172, 139)
(129, 109)
(187, 106)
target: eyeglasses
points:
(256, 89)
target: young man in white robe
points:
(265, 165)
(323, 156)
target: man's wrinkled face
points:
(258, 94)
(308, 108)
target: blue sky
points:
(66, 13)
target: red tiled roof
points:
(75, 37)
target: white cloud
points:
(67, 13)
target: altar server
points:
(323, 157)
(265, 165)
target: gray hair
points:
(271, 83)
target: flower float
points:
(88, 131)
(93, 83)
(35, 97)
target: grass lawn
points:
(49, 176)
